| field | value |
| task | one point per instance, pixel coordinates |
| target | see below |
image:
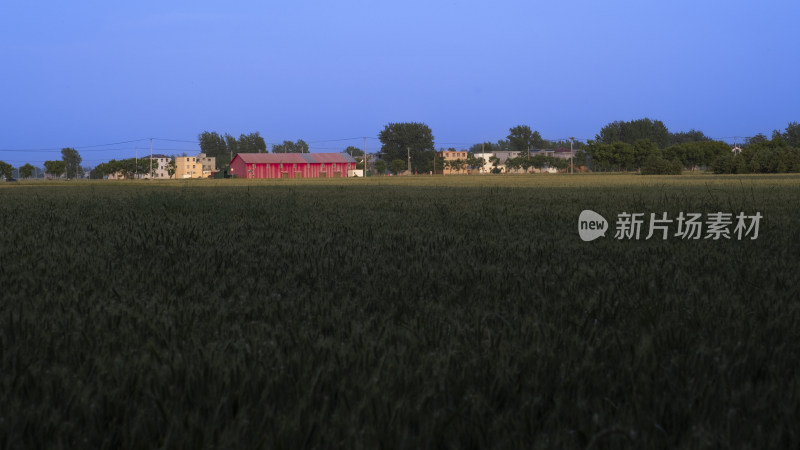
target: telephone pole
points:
(571, 155)
(151, 158)
(409, 160)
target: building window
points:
(334, 166)
(294, 165)
(267, 165)
(322, 166)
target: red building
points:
(292, 165)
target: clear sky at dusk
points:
(86, 73)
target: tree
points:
(6, 169)
(687, 136)
(171, 168)
(224, 147)
(55, 168)
(521, 139)
(354, 151)
(525, 162)
(656, 165)
(616, 156)
(757, 139)
(494, 161)
(291, 147)
(96, 173)
(723, 164)
(214, 145)
(232, 146)
(581, 159)
(559, 163)
(475, 163)
(539, 161)
(26, 171)
(72, 162)
(457, 164)
(792, 135)
(398, 165)
(629, 132)
(513, 163)
(642, 150)
(486, 147)
(401, 139)
(253, 143)
(380, 166)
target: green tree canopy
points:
(656, 165)
(698, 153)
(72, 162)
(684, 137)
(55, 168)
(618, 156)
(401, 139)
(792, 135)
(26, 171)
(398, 165)
(354, 151)
(252, 143)
(521, 139)
(291, 147)
(212, 144)
(757, 139)
(6, 169)
(630, 132)
(223, 148)
(380, 166)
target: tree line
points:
(69, 165)
(780, 154)
(643, 145)
(648, 146)
(128, 168)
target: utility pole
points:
(151, 158)
(409, 160)
(483, 152)
(365, 156)
(571, 155)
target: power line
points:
(176, 140)
(335, 140)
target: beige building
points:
(208, 164)
(450, 156)
(188, 167)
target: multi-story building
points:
(188, 167)
(208, 164)
(454, 155)
(160, 166)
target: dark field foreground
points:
(459, 312)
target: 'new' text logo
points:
(591, 225)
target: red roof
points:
(290, 158)
(331, 158)
(271, 158)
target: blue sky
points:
(85, 73)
